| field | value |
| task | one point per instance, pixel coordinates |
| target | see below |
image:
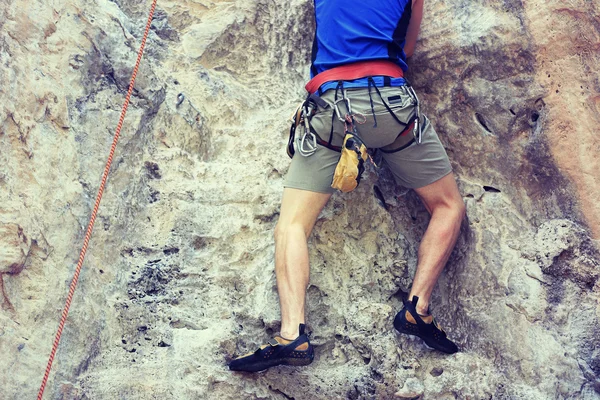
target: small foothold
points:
(540, 104)
(180, 99)
(482, 121)
(491, 189)
(534, 117)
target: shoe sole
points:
(264, 365)
(426, 341)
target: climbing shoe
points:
(278, 351)
(410, 322)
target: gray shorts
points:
(413, 165)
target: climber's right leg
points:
(299, 212)
(307, 190)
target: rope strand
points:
(90, 226)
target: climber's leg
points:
(299, 212)
(445, 204)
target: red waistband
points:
(353, 71)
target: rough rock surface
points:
(179, 276)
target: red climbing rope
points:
(90, 227)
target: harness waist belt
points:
(353, 71)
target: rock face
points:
(14, 249)
(179, 275)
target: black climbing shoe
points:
(278, 351)
(410, 322)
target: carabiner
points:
(417, 129)
(346, 100)
(307, 144)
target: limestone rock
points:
(14, 248)
(412, 389)
(179, 273)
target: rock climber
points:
(359, 58)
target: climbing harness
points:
(353, 71)
(414, 122)
(90, 226)
(353, 151)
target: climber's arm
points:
(413, 27)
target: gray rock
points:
(179, 273)
(412, 389)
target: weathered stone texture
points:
(179, 275)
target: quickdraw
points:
(306, 143)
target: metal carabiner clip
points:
(417, 129)
(307, 144)
(346, 100)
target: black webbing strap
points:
(408, 128)
(325, 143)
(340, 85)
(387, 107)
(411, 307)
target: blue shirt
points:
(350, 31)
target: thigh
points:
(301, 207)
(419, 165)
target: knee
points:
(452, 207)
(453, 215)
(283, 230)
(460, 210)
